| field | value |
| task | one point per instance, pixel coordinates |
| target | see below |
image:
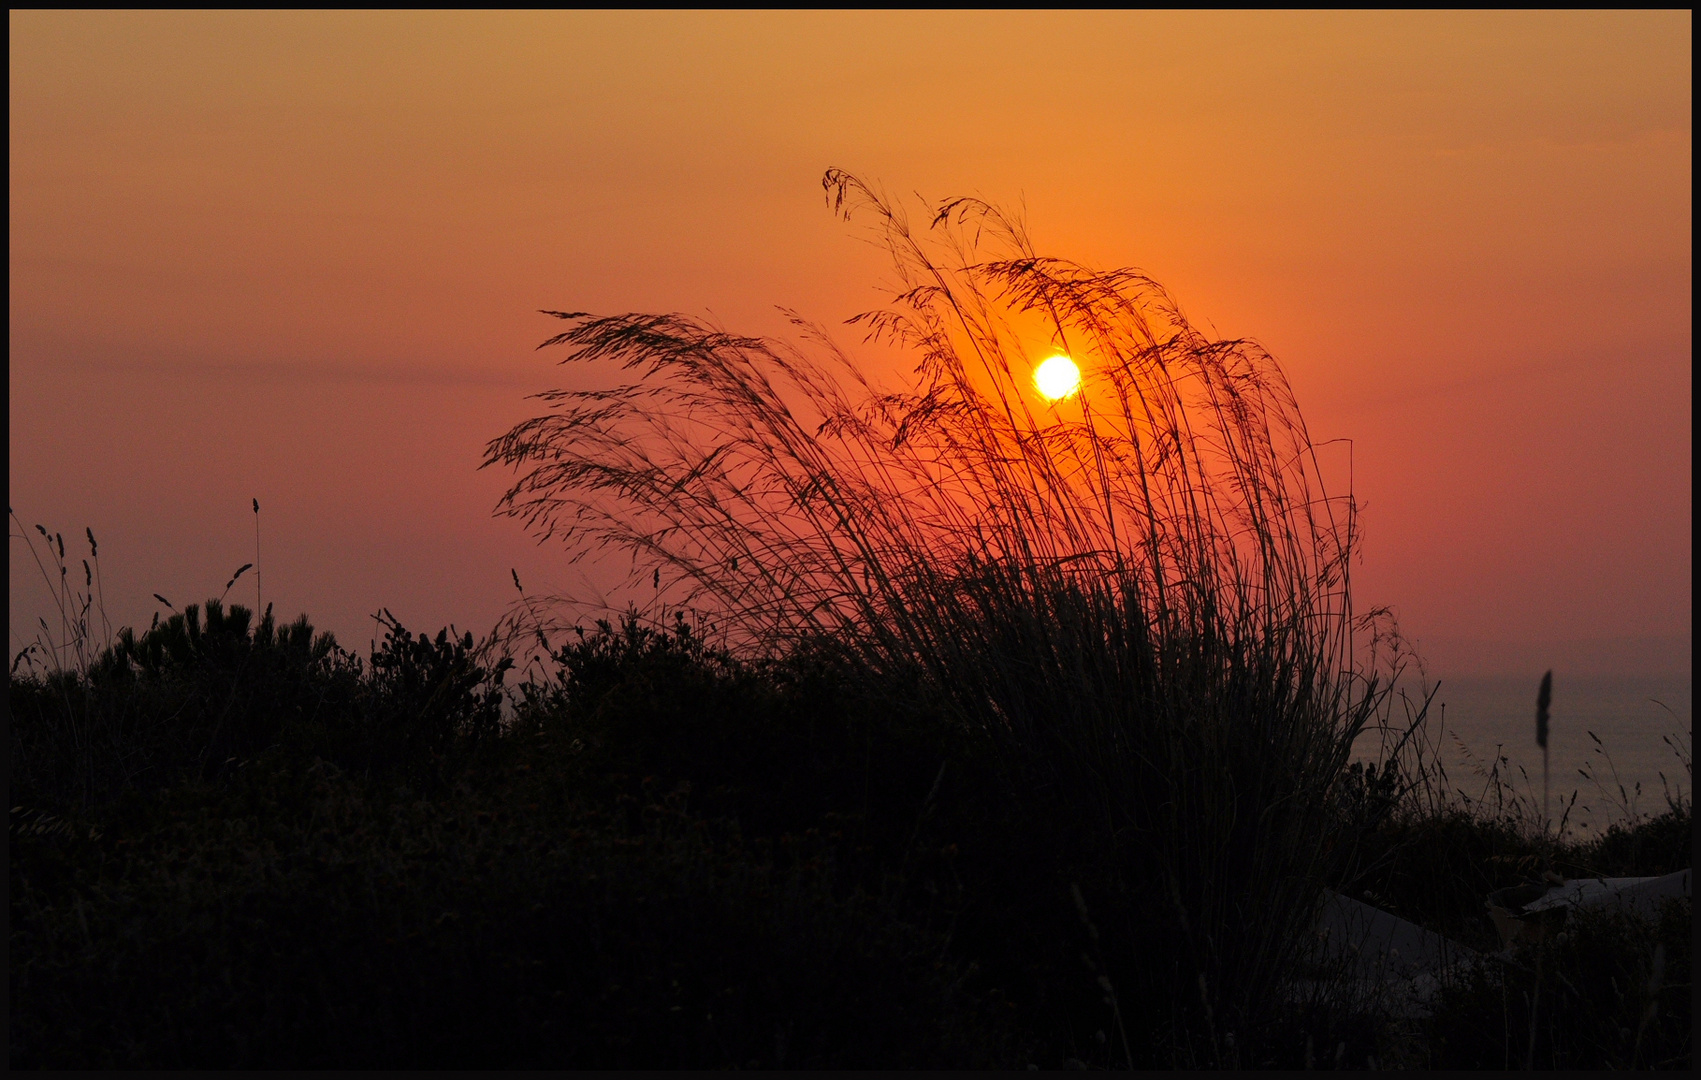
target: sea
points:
(1620, 744)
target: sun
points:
(1058, 377)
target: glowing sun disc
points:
(1058, 377)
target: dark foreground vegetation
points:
(237, 845)
(1026, 739)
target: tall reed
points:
(1138, 599)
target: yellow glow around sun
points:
(1058, 377)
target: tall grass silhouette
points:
(1138, 600)
(80, 637)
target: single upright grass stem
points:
(258, 607)
(1544, 698)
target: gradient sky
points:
(298, 257)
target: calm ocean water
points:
(1480, 717)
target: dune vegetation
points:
(964, 729)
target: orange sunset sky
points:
(298, 257)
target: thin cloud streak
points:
(298, 372)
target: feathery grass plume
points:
(1138, 598)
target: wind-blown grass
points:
(1140, 602)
